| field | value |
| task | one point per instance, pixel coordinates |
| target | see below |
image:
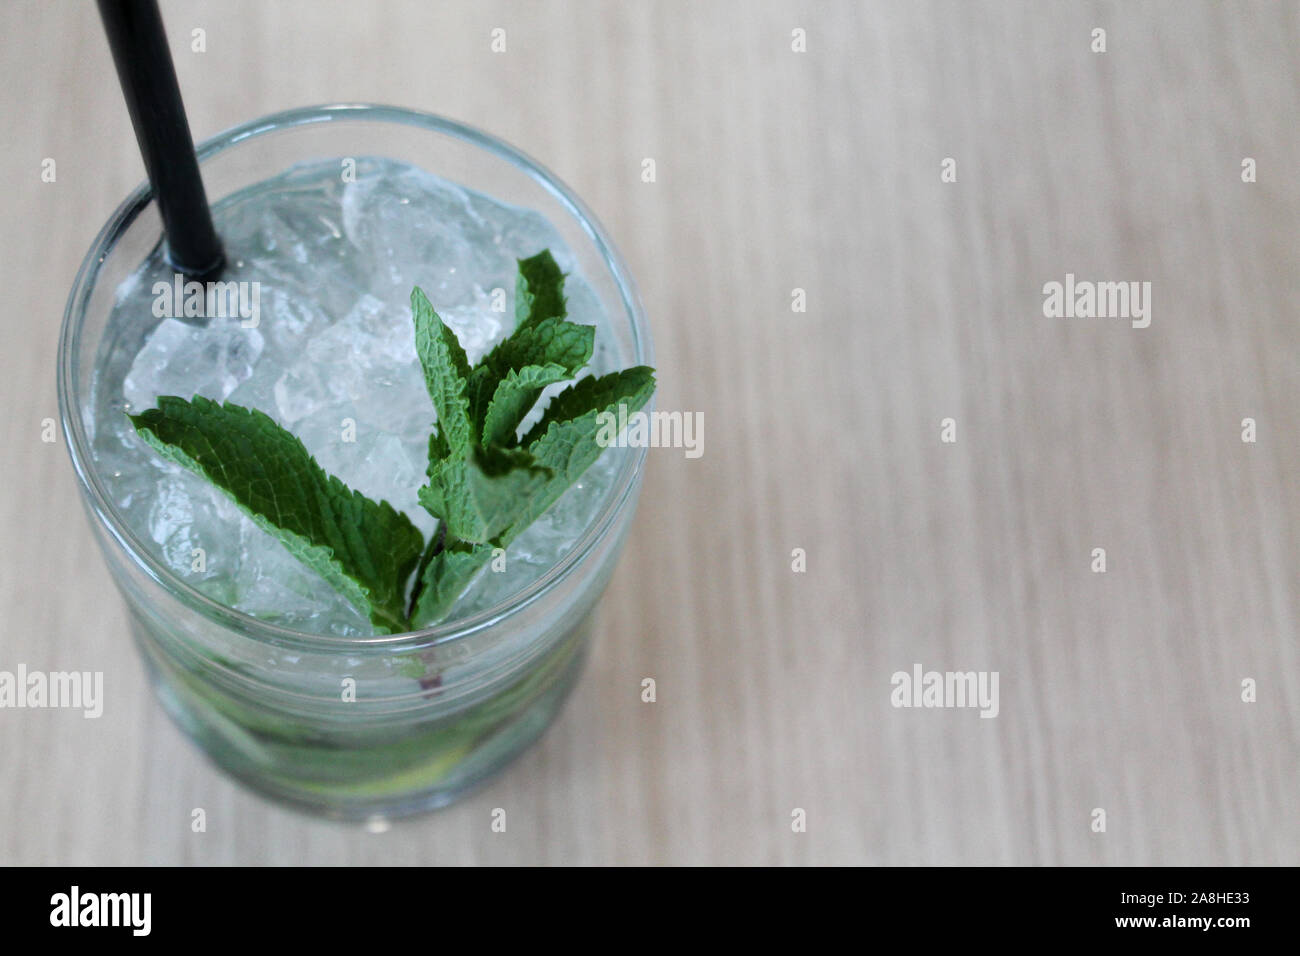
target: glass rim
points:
(106, 513)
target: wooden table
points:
(779, 170)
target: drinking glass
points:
(326, 723)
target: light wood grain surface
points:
(779, 170)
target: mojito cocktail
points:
(329, 218)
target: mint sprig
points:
(486, 495)
(486, 485)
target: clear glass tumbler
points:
(264, 701)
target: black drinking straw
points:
(153, 98)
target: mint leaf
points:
(438, 450)
(479, 497)
(565, 440)
(514, 396)
(539, 290)
(551, 341)
(365, 549)
(445, 578)
(446, 374)
(541, 337)
(581, 403)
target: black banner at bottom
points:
(348, 906)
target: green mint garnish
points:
(485, 484)
(487, 494)
(365, 549)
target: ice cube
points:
(478, 326)
(271, 584)
(381, 467)
(191, 522)
(416, 229)
(186, 360)
(367, 347)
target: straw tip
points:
(203, 273)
